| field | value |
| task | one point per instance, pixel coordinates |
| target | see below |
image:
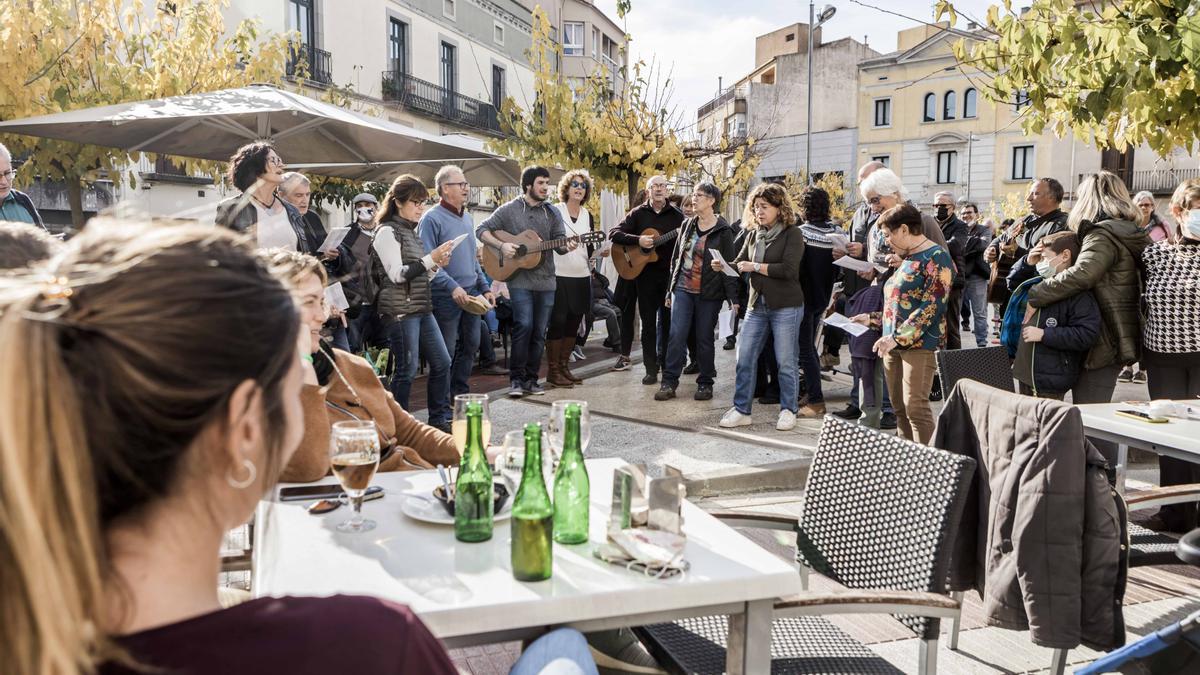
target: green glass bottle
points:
(572, 490)
(532, 516)
(473, 496)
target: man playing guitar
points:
(1045, 198)
(649, 290)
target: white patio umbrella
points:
(308, 134)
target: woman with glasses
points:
(257, 171)
(573, 290)
(404, 300)
(697, 292)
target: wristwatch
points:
(757, 267)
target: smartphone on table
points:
(304, 493)
(1142, 416)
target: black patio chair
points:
(989, 365)
(879, 516)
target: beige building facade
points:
(590, 40)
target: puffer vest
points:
(395, 300)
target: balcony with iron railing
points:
(316, 65)
(431, 100)
(1155, 181)
(730, 94)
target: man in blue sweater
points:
(460, 279)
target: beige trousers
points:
(909, 378)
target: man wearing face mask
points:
(1054, 340)
(955, 232)
(357, 243)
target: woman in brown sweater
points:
(347, 389)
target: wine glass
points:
(458, 426)
(556, 428)
(354, 456)
(512, 458)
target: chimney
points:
(720, 85)
(971, 25)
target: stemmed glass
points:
(354, 455)
(458, 426)
(556, 427)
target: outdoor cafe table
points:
(1178, 438)
(466, 594)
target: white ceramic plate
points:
(419, 507)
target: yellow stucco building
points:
(921, 116)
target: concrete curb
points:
(788, 475)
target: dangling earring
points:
(251, 474)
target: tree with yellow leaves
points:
(619, 139)
(61, 55)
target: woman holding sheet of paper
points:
(698, 288)
(400, 270)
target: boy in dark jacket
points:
(1054, 340)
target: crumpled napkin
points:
(656, 553)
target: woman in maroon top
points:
(154, 401)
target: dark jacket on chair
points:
(1042, 537)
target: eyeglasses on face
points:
(874, 201)
(461, 184)
(578, 184)
(275, 160)
(8, 175)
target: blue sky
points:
(699, 40)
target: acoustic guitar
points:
(997, 286)
(530, 248)
(631, 259)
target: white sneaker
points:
(733, 418)
(787, 420)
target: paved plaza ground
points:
(757, 468)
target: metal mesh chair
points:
(879, 516)
(989, 365)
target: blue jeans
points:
(363, 329)
(690, 311)
(807, 351)
(531, 316)
(784, 326)
(560, 652)
(975, 296)
(460, 332)
(409, 339)
(487, 353)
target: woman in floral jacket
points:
(914, 318)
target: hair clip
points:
(57, 288)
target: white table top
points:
(463, 589)
(1177, 434)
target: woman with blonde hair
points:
(347, 388)
(771, 255)
(573, 279)
(1105, 219)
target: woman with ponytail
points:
(156, 400)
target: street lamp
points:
(814, 22)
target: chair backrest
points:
(989, 365)
(881, 512)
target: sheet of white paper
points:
(839, 321)
(333, 239)
(840, 241)
(275, 233)
(458, 240)
(725, 267)
(857, 265)
(336, 297)
(388, 248)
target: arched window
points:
(949, 105)
(930, 107)
(970, 102)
